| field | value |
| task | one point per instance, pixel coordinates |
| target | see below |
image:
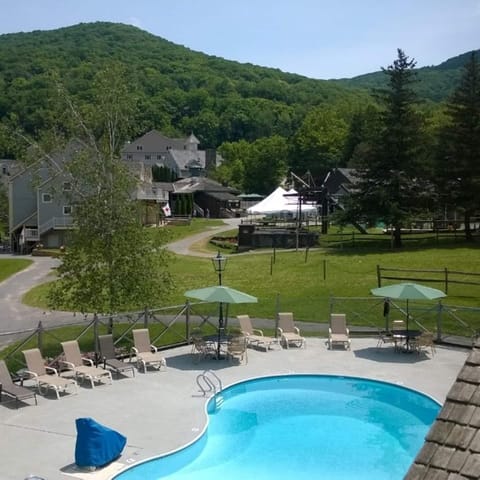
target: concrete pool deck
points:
(162, 411)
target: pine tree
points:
(391, 180)
(458, 160)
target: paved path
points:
(14, 315)
(183, 246)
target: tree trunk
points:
(468, 231)
(397, 236)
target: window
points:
(147, 157)
(159, 157)
(129, 156)
(67, 186)
(67, 210)
(46, 198)
(139, 147)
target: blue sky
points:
(316, 38)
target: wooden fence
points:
(442, 275)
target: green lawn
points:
(10, 266)
(296, 282)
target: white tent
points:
(281, 201)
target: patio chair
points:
(17, 392)
(254, 336)
(288, 332)
(338, 333)
(423, 341)
(46, 378)
(202, 348)
(83, 368)
(110, 360)
(146, 353)
(237, 348)
(386, 338)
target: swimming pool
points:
(303, 427)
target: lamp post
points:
(219, 264)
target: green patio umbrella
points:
(221, 294)
(408, 291)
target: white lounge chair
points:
(83, 368)
(46, 378)
(254, 336)
(338, 333)
(145, 352)
(288, 332)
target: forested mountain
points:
(180, 90)
(435, 83)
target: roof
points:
(452, 447)
(154, 141)
(223, 196)
(187, 158)
(195, 184)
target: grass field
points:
(10, 266)
(305, 284)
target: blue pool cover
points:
(96, 444)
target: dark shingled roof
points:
(452, 447)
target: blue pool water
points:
(303, 427)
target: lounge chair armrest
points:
(329, 330)
(88, 361)
(297, 330)
(135, 350)
(154, 348)
(30, 373)
(68, 365)
(257, 331)
(280, 330)
(51, 370)
(348, 331)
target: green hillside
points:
(435, 83)
(179, 90)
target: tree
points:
(392, 182)
(319, 142)
(256, 167)
(111, 264)
(458, 160)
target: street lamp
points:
(219, 264)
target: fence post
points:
(277, 310)
(272, 261)
(40, 336)
(95, 335)
(324, 268)
(379, 278)
(145, 318)
(306, 254)
(446, 280)
(187, 320)
(439, 321)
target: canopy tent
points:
(281, 201)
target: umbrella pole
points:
(408, 335)
(220, 328)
